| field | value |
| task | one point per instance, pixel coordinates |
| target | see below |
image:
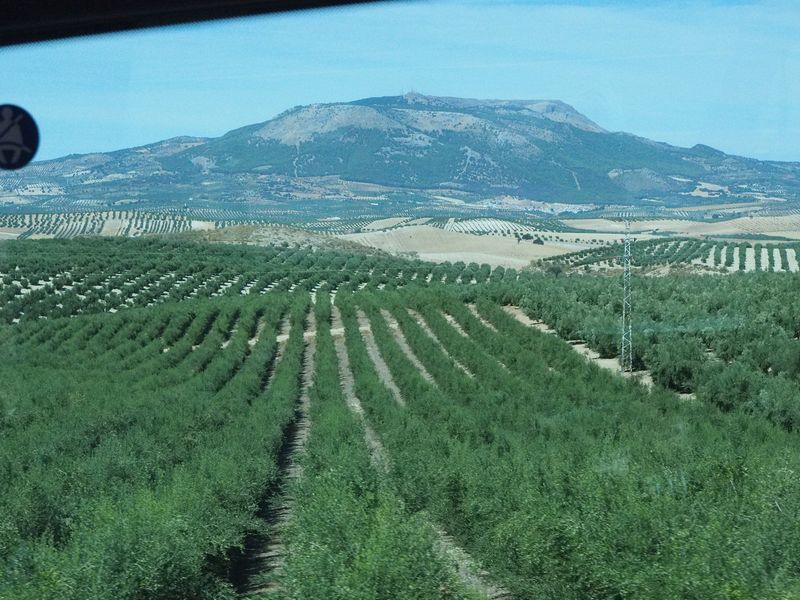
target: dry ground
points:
(437, 245)
(785, 226)
(11, 233)
(385, 223)
(261, 235)
(611, 364)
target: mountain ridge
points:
(539, 150)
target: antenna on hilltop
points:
(626, 351)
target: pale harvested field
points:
(706, 190)
(437, 245)
(721, 207)
(786, 226)
(203, 225)
(114, 227)
(14, 198)
(599, 225)
(384, 223)
(11, 233)
(584, 240)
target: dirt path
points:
(227, 342)
(611, 364)
(522, 317)
(264, 554)
(401, 341)
(381, 367)
(336, 331)
(454, 324)
(474, 310)
(376, 451)
(457, 326)
(259, 330)
(281, 339)
(424, 325)
(471, 575)
(234, 328)
(283, 331)
(467, 569)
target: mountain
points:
(474, 150)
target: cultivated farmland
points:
(700, 255)
(109, 223)
(205, 421)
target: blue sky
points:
(725, 74)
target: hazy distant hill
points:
(475, 149)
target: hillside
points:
(411, 149)
(217, 421)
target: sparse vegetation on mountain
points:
(408, 147)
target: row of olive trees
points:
(560, 477)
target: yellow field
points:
(785, 226)
(385, 223)
(430, 243)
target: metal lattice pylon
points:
(626, 350)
